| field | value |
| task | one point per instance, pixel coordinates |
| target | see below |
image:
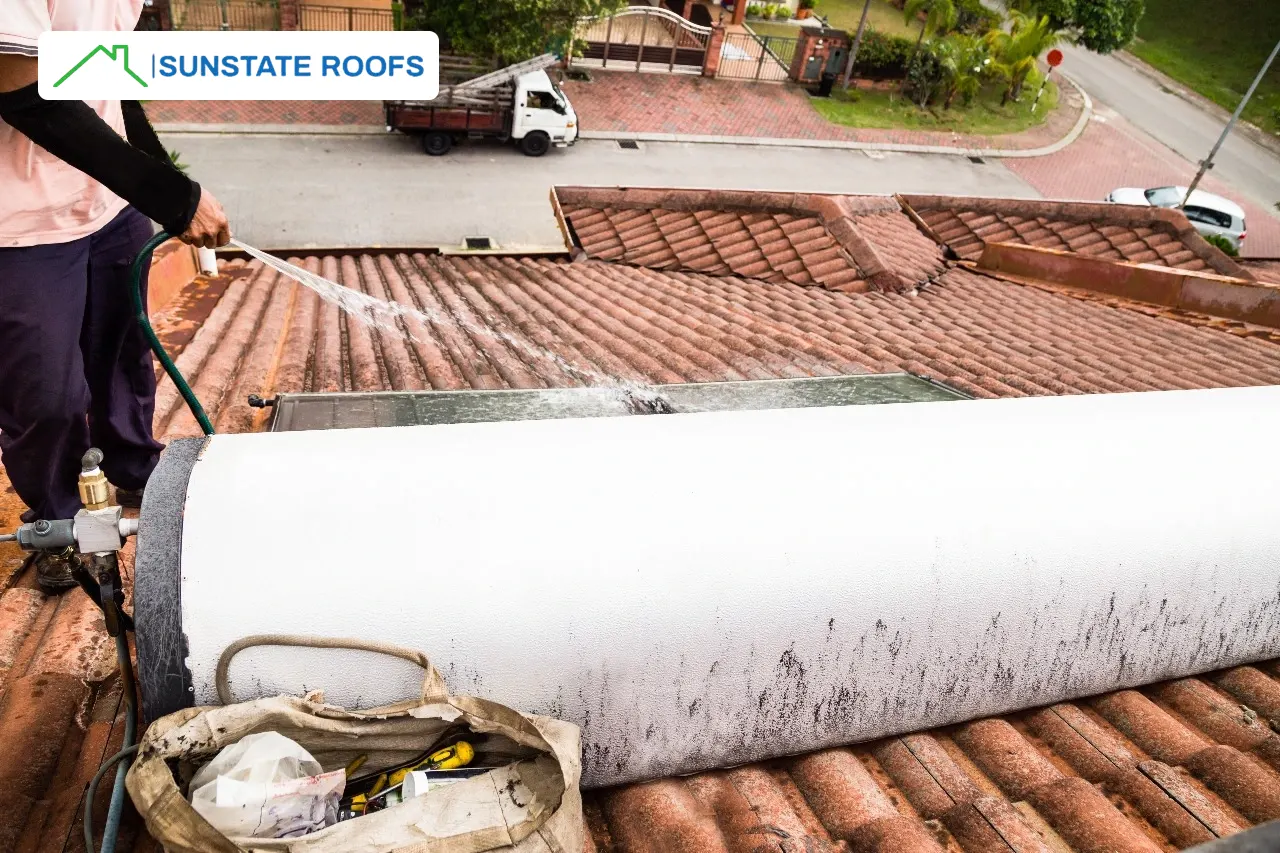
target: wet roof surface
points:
(345, 410)
(1159, 768)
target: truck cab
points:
(543, 115)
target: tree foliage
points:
(923, 71)
(1099, 25)
(939, 15)
(1015, 52)
(965, 61)
(507, 31)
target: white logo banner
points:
(239, 66)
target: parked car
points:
(1209, 213)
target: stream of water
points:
(386, 316)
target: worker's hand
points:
(209, 227)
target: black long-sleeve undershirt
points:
(137, 169)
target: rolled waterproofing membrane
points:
(703, 590)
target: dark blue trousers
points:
(75, 370)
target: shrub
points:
(808, 4)
(926, 76)
(782, 13)
(755, 10)
(769, 11)
(1222, 243)
(883, 57)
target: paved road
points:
(1247, 167)
(351, 191)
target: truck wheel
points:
(437, 143)
(535, 144)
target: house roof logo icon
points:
(117, 53)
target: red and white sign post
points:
(1054, 58)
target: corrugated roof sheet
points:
(1160, 768)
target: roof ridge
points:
(837, 213)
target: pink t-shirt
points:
(42, 199)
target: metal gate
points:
(344, 18)
(643, 38)
(748, 56)
(225, 15)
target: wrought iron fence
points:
(748, 56)
(345, 18)
(225, 15)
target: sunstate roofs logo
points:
(118, 52)
(250, 66)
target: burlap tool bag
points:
(530, 803)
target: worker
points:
(80, 184)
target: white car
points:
(1209, 213)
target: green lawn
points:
(1216, 47)
(844, 15)
(984, 116)
(773, 28)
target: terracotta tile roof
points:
(850, 243)
(1263, 269)
(1111, 231)
(1160, 768)
(985, 336)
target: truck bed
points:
(410, 117)
(486, 111)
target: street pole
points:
(857, 43)
(1207, 163)
(1040, 91)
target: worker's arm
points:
(73, 132)
(140, 133)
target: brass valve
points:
(95, 492)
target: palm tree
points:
(965, 59)
(939, 15)
(1016, 51)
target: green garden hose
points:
(140, 264)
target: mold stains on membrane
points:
(851, 686)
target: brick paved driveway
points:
(1113, 153)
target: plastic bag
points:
(267, 786)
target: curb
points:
(1252, 132)
(701, 139)
(271, 129)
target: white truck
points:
(519, 103)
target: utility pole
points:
(857, 43)
(1207, 163)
